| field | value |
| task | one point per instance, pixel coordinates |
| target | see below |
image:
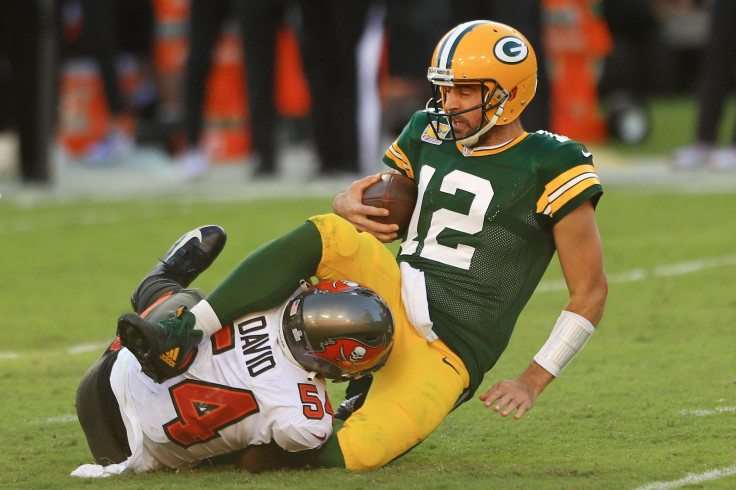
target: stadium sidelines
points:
(150, 173)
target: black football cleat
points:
(191, 255)
(164, 349)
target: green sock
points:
(268, 275)
(330, 455)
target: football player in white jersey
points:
(258, 381)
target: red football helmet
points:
(340, 330)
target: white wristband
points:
(207, 320)
(568, 337)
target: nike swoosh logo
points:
(444, 359)
(320, 438)
(586, 154)
(192, 234)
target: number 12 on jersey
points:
(470, 223)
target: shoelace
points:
(192, 250)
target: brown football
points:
(398, 194)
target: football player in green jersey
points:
(495, 203)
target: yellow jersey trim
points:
(395, 154)
(565, 187)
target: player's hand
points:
(508, 396)
(517, 395)
(349, 205)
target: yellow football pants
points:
(420, 382)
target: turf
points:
(652, 398)
(624, 414)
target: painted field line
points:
(691, 479)
(75, 349)
(54, 420)
(88, 218)
(82, 348)
(635, 275)
(703, 413)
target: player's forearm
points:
(590, 301)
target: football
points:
(398, 194)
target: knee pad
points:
(167, 304)
(151, 290)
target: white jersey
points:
(240, 390)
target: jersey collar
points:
(480, 151)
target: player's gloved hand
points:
(164, 349)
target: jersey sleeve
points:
(399, 155)
(568, 179)
(299, 414)
(300, 434)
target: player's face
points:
(462, 97)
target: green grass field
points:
(652, 398)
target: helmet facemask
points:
(493, 98)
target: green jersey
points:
(482, 229)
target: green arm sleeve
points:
(268, 275)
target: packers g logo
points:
(511, 50)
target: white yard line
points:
(88, 218)
(703, 413)
(82, 348)
(691, 479)
(75, 349)
(635, 275)
(54, 420)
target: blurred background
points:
(148, 94)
